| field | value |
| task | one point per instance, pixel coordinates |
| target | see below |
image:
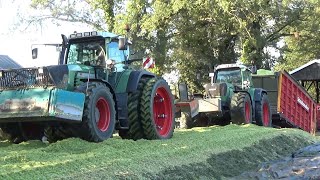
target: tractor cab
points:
(102, 49)
(89, 55)
(237, 75)
(97, 49)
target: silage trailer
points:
(291, 105)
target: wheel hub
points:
(102, 114)
(162, 110)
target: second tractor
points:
(230, 96)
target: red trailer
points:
(318, 117)
(291, 105)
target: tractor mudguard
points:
(108, 85)
(258, 94)
(134, 78)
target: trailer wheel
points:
(99, 112)
(241, 108)
(186, 121)
(263, 112)
(135, 130)
(157, 110)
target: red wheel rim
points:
(266, 115)
(104, 114)
(162, 111)
(247, 112)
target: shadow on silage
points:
(235, 162)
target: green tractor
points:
(230, 96)
(92, 92)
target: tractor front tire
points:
(263, 112)
(157, 110)
(99, 114)
(241, 108)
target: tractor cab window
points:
(119, 56)
(115, 54)
(89, 53)
(232, 76)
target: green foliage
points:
(302, 47)
(189, 154)
(193, 36)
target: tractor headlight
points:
(40, 70)
(94, 33)
(86, 34)
(79, 35)
(73, 36)
(110, 63)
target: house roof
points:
(317, 61)
(308, 72)
(6, 62)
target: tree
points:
(99, 14)
(262, 24)
(193, 36)
(302, 46)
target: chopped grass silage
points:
(214, 152)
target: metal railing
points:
(25, 78)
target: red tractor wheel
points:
(157, 110)
(99, 114)
(263, 112)
(241, 108)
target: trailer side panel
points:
(295, 104)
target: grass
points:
(200, 153)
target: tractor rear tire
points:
(186, 121)
(241, 108)
(59, 132)
(263, 112)
(157, 110)
(135, 130)
(99, 114)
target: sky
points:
(16, 42)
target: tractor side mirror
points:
(64, 40)
(123, 43)
(35, 53)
